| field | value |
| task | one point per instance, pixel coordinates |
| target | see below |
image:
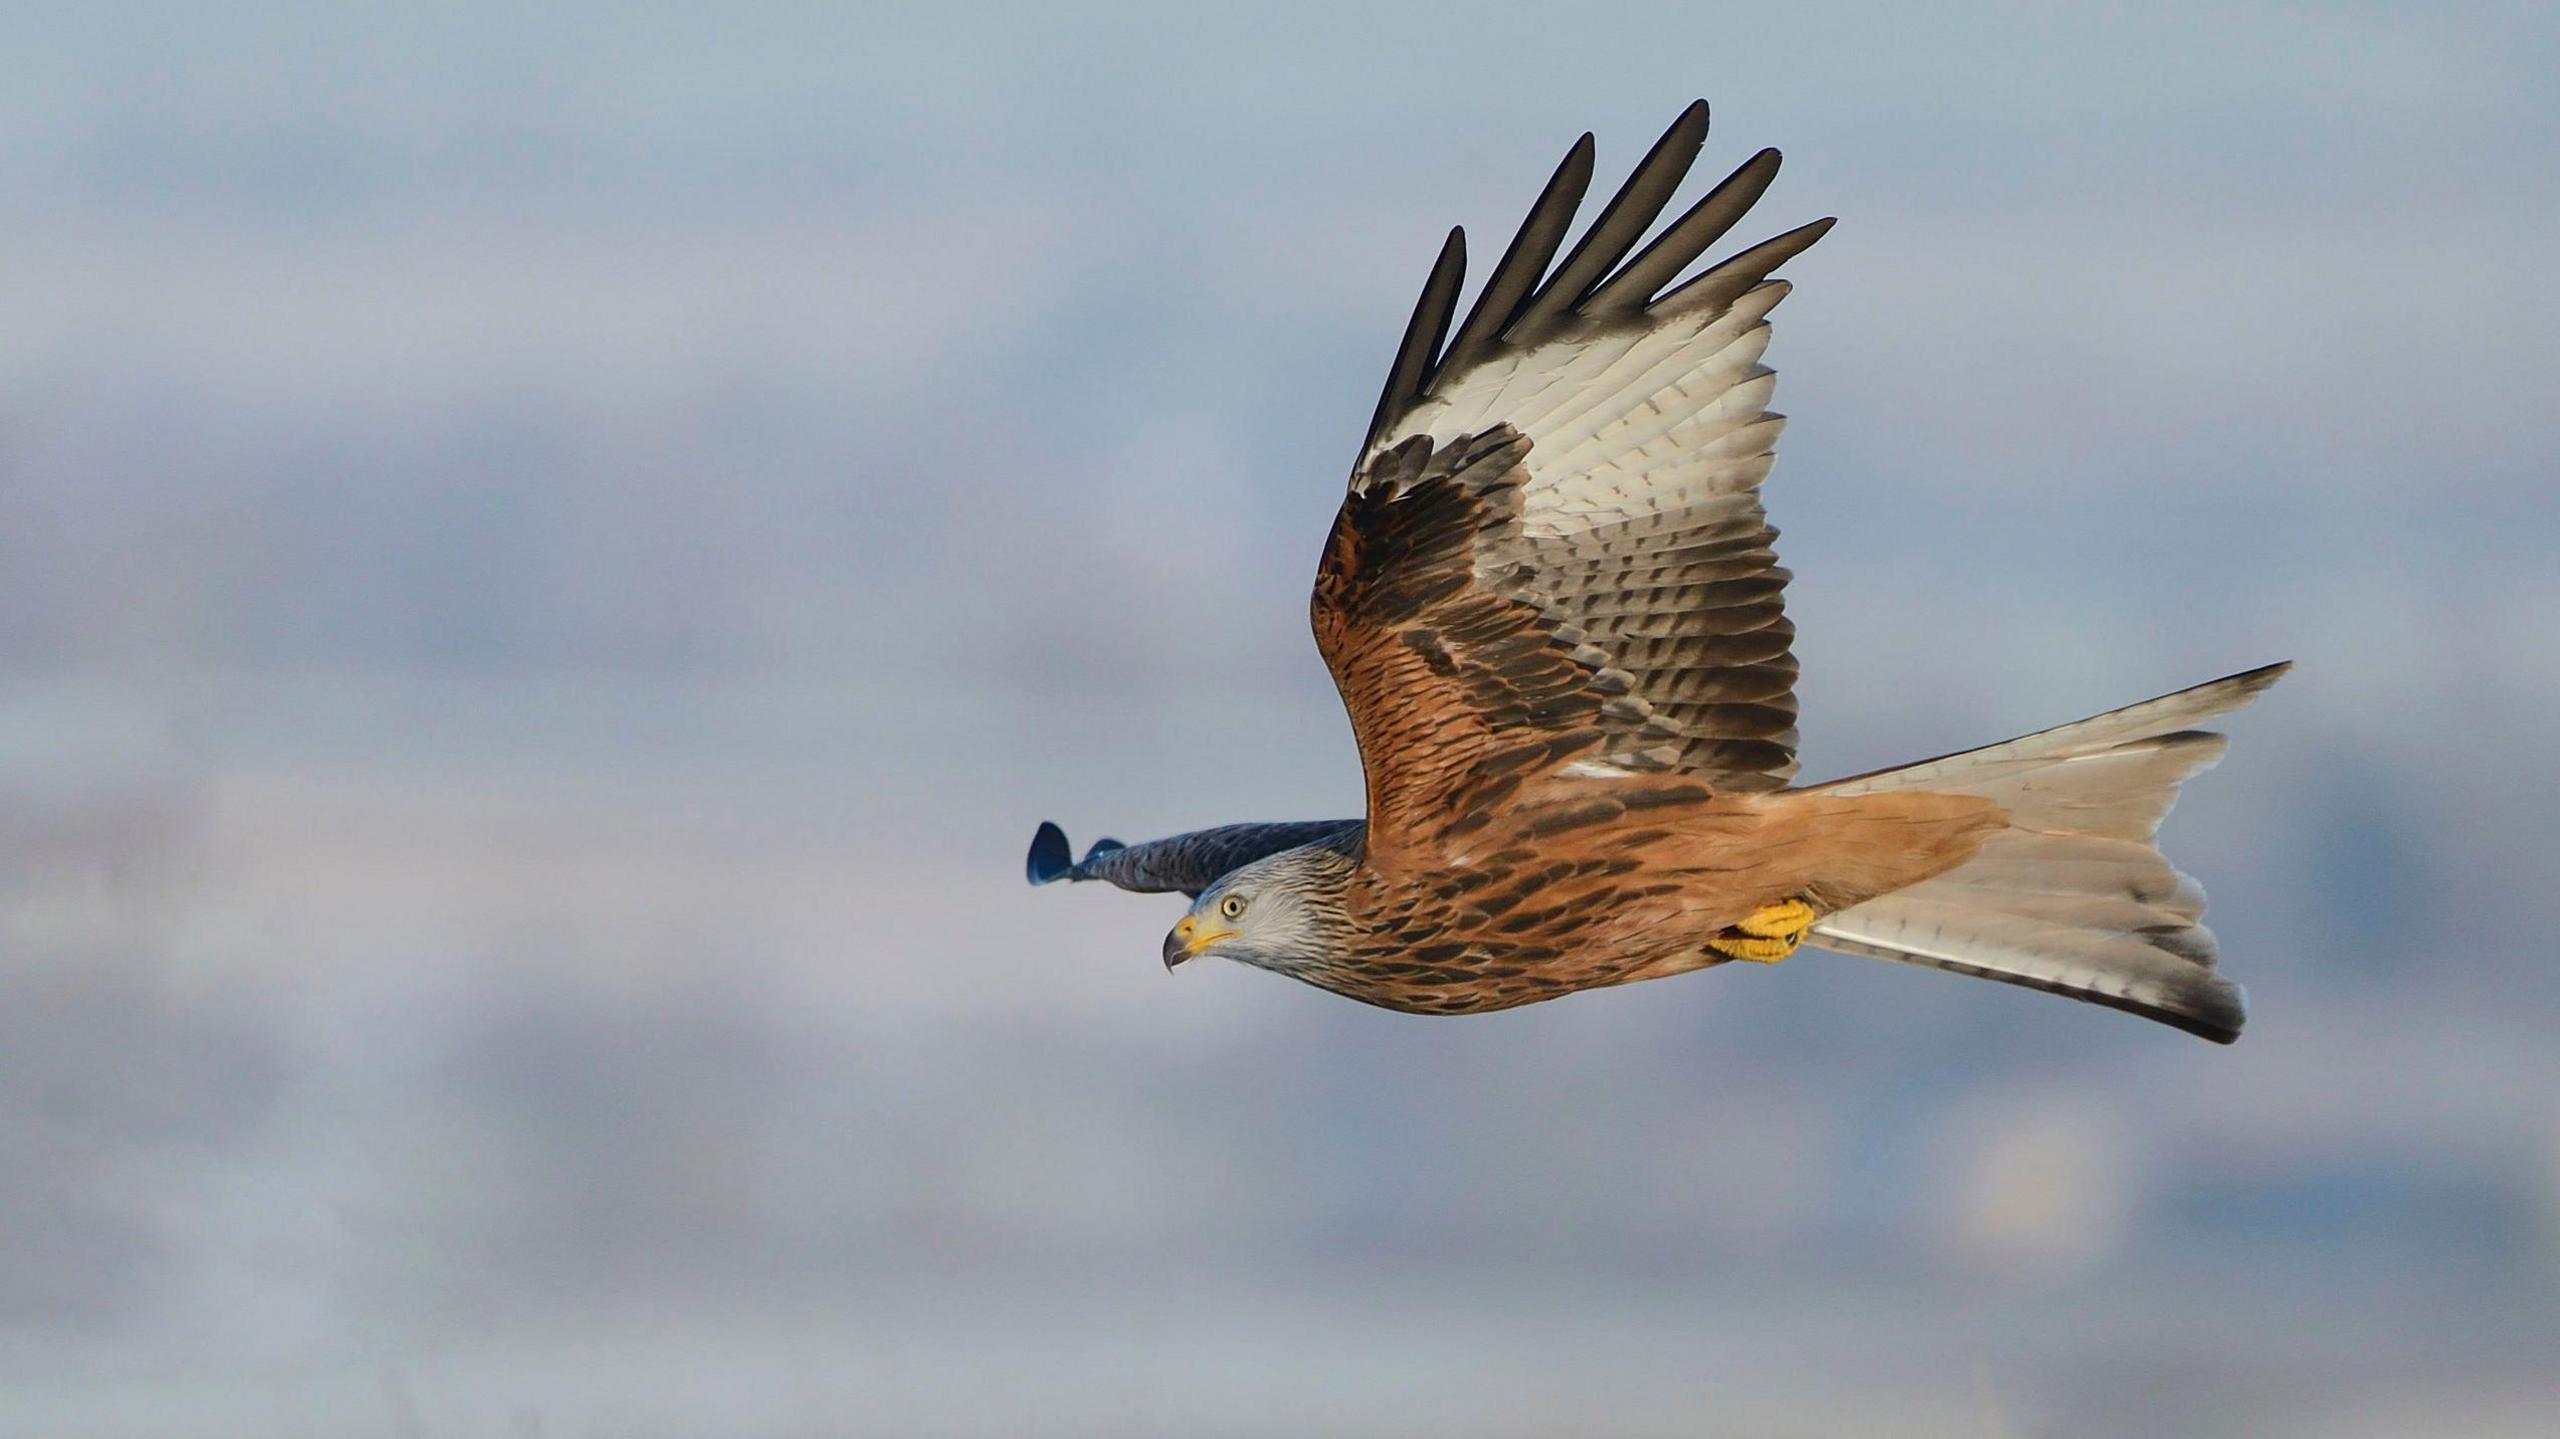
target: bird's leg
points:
(1768, 934)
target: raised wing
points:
(1553, 552)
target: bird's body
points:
(1551, 604)
(1601, 881)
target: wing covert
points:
(1554, 538)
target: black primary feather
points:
(1596, 283)
(1050, 859)
(1688, 237)
(1508, 288)
(1422, 336)
(1622, 222)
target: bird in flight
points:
(1552, 607)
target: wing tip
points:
(1802, 237)
(1419, 351)
(1523, 298)
(1740, 274)
(1051, 858)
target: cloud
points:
(123, 1084)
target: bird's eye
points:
(1232, 906)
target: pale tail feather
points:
(2074, 897)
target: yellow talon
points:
(1768, 934)
(1788, 919)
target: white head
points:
(1281, 912)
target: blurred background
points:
(550, 561)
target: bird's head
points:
(1279, 912)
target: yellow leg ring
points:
(1767, 934)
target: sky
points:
(550, 562)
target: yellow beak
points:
(1189, 938)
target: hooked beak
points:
(1189, 938)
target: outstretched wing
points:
(1188, 863)
(1553, 551)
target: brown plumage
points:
(1497, 839)
(1552, 607)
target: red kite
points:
(1553, 609)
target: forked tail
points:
(2075, 896)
